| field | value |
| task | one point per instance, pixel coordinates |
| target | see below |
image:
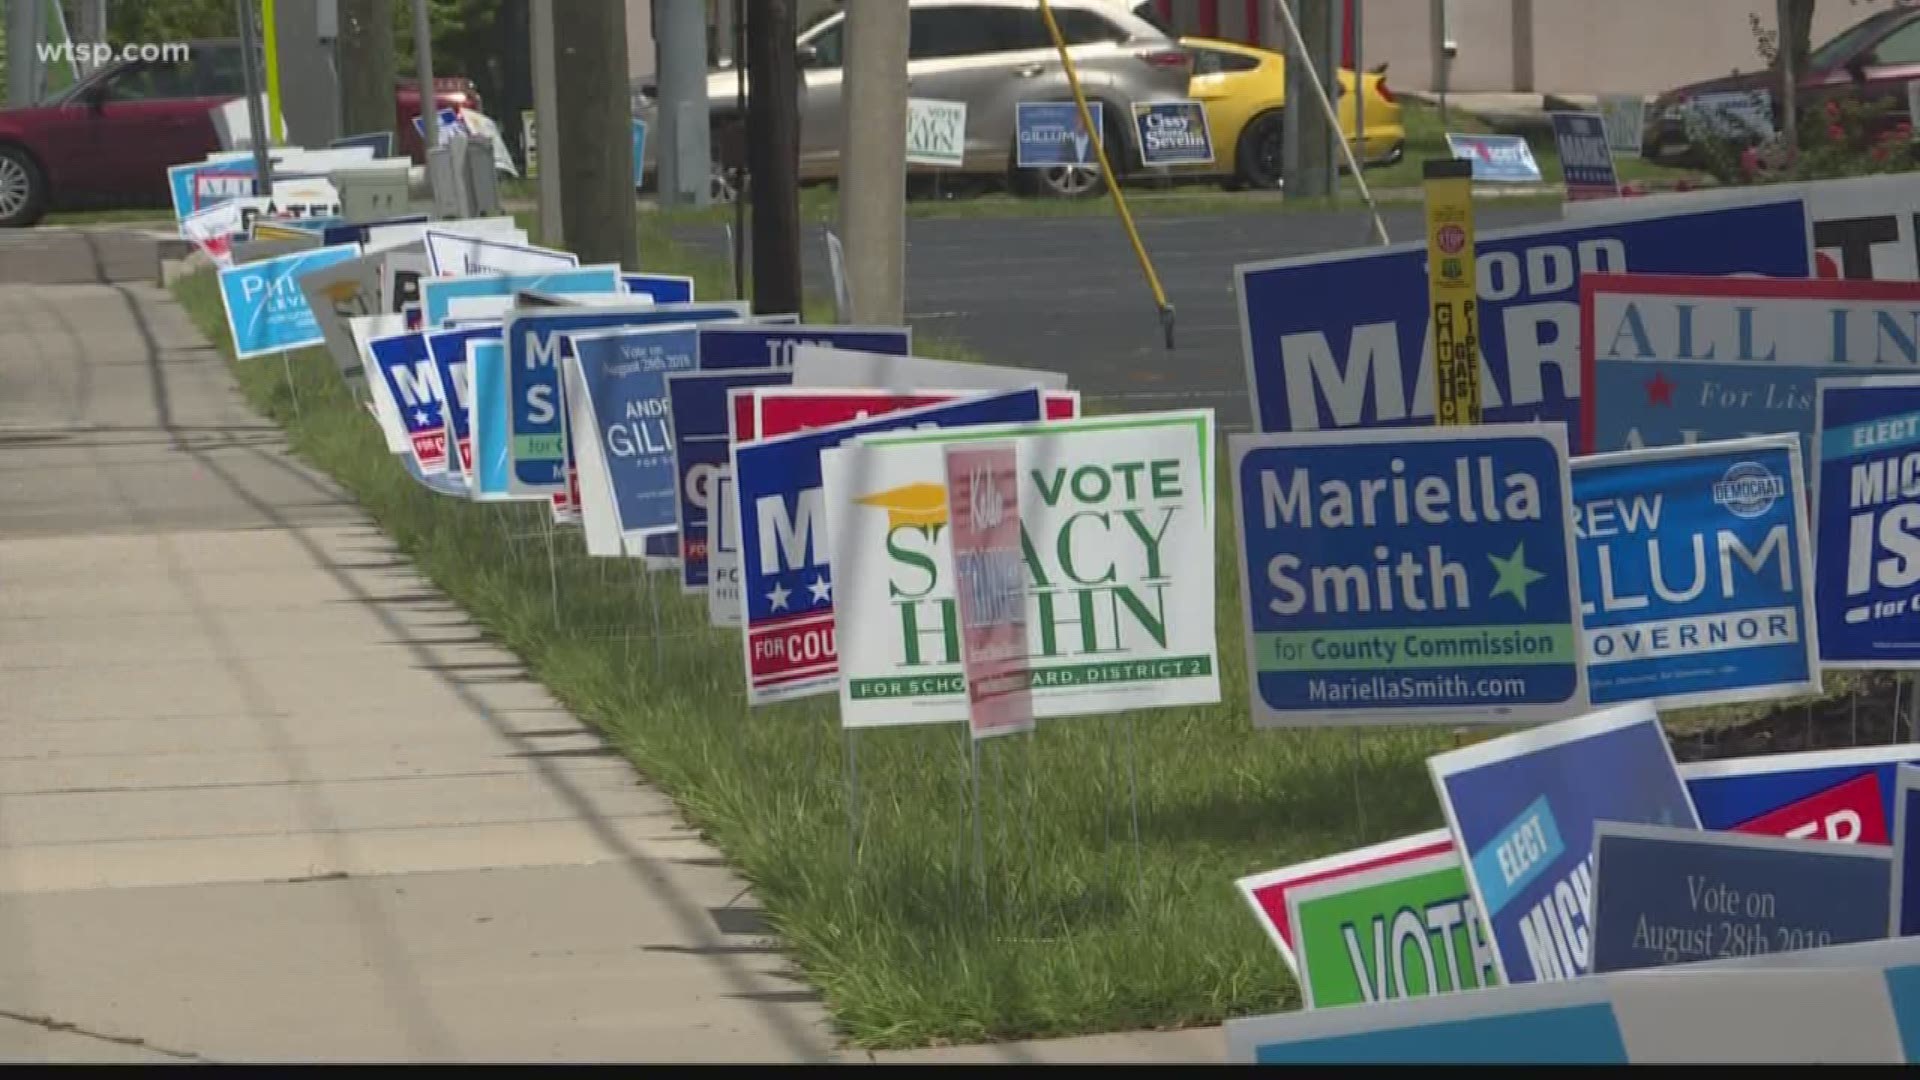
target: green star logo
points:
(1514, 575)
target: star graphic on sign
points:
(821, 589)
(1659, 389)
(778, 597)
(419, 418)
(1514, 575)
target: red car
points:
(1873, 59)
(110, 138)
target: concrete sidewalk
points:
(264, 793)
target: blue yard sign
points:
(413, 382)
(639, 151)
(1049, 134)
(1340, 341)
(1497, 159)
(538, 442)
(697, 406)
(1695, 573)
(1664, 896)
(1904, 920)
(358, 232)
(624, 372)
(1173, 133)
(1670, 359)
(1867, 521)
(380, 142)
(660, 288)
(1845, 796)
(1586, 163)
(1409, 576)
(786, 585)
(266, 311)
(437, 294)
(492, 458)
(1523, 809)
(449, 351)
(724, 348)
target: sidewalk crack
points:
(66, 1028)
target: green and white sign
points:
(1400, 930)
(1117, 543)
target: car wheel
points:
(23, 188)
(1261, 150)
(1069, 181)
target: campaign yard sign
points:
(1844, 796)
(755, 346)
(697, 411)
(936, 132)
(624, 375)
(983, 514)
(1867, 520)
(1586, 162)
(437, 295)
(1173, 133)
(451, 254)
(1117, 514)
(723, 562)
(1399, 930)
(1903, 918)
(782, 410)
(1522, 809)
(1663, 895)
(815, 365)
(1267, 893)
(449, 351)
(1497, 159)
(535, 339)
(1048, 134)
(1625, 118)
(1411, 576)
(1669, 359)
(492, 434)
(1842, 1003)
(786, 583)
(266, 311)
(1342, 341)
(1696, 573)
(408, 370)
(660, 288)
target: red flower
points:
(1902, 130)
(1833, 110)
(1878, 153)
(1750, 160)
(1836, 133)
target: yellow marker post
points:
(270, 47)
(1451, 293)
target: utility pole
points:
(423, 59)
(596, 159)
(24, 26)
(773, 155)
(546, 124)
(366, 67)
(873, 159)
(256, 113)
(1787, 49)
(1307, 140)
(685, 152)
(92, 25)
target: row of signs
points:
(1580, 850)
(1049, 134)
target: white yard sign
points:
(936, 132)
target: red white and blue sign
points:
(1867, 521)
(407, 368)
(1523, 809)
(760, 345)
(785, 579)
(1670, 359)
(697, 407)
(1340, 341)
(1695, 573)
(1497, 159)
(1843, 796)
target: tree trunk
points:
(596, 131)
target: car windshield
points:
(1844, 44)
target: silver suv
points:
(991, 54)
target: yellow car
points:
(1244, 91)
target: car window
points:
(1216, 62)
(1086, 27)
(221, 73)
(153, 81)
(1900, 47)
(1145, 12)
(829, 46)
(1843, 44)
(948, 31)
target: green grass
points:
(1082, 930)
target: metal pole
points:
(1359, 89)
(256, 112)
(873, 167)
(740, 141)
(423, 59)
(23, 61)
(1789, 106)
(546, 123)
(1320, 94)
(270, 55)
(684, 156)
